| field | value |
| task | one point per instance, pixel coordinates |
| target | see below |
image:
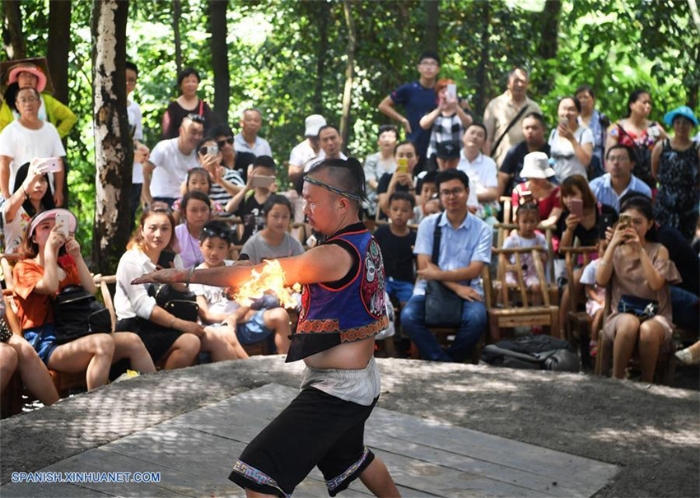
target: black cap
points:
(448, 150)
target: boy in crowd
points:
(427, 189)
(240, 324)
(396, 241)
(261, 183)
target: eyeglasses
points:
(196, 118)
(28, 100)
(221, 143)
(618, 158)
(454, 192)
(223, 234)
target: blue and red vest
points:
(349, 310)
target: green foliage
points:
(276, 48)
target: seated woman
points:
(538, 189)
(17, 355)
(32, 195)
(53, 262)
(274, 241)
(640, 270)
(170, 341)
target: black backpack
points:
(533, 352)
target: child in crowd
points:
(595, 305)
(427, 188)
(527, 236)
(401, 179)
(32, 195)
(199, 180)
(248, 202)
(447, 121)
(241, 324)
(378, 164)
(195, 211)
(396, 240)
(274, 241)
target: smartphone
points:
(166, 258)
(262, 181)
(606, 221)
(51, 165)
(209, 149)
(576, 207)
(63, 223)
(563, 122)
(452, 91)
(625, 220)
(402, 165)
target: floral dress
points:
(676, 202)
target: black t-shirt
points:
(397, 253)
(383, 187)
(513, 164)
(683, 256)
(252, 215)
(587, 237)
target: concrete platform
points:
(443, 430)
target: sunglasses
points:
(208, 232)
(196, 118)
(221, 143)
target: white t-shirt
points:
(260, 148)
(171, 167)
(216, 298)
(483, 173)
(562, 152)
(301, 153)
(23, 145)
(136, 123)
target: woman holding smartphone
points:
(571, 144)
(448, 120)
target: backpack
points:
(532, 352)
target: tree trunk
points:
(114, 156)
(549, 28)
(345, 121)
(321, 54)
(432, 14)
(177, 14)
(13, 37)
(219, 59)
(57, 58)
(481, 97)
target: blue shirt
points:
(417, 101)
(471, 241)
(605, 194)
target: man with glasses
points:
(170, 161)
(418, 98)
(465, 247)
(619, 180)
(26, 138)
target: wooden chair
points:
(503, 311)
(577, 329)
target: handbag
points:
(638, 306)
(180, 304)
(77, 313)
(443, 308)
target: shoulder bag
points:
(77, 313)
(181, 304)
(510, 125)
(443, 308)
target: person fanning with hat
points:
(538, 188)
(27, 75)
(675, 164)
(53, 262)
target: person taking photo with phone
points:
(448, 120)
(571, 144)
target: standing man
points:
(170, 161)
(343, 309)
(331, 144)
(418, 99)
(504, 114)
(141, 152)
(307, 151)
(248, 140)
(465, 247)
(534, 130)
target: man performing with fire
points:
(343, 309)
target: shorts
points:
(254, 330)
(157, 339)
(43, 340)
(399, 289)
(316, 429)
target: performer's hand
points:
(169, 276)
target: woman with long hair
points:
(571, 144)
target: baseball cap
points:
(313, 124)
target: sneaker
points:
(686, 357)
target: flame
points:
(271, 278)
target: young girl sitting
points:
(527, 236)
(196, 211)
(198, 180)
(274, 241)
(239, 324)
(52, 262)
